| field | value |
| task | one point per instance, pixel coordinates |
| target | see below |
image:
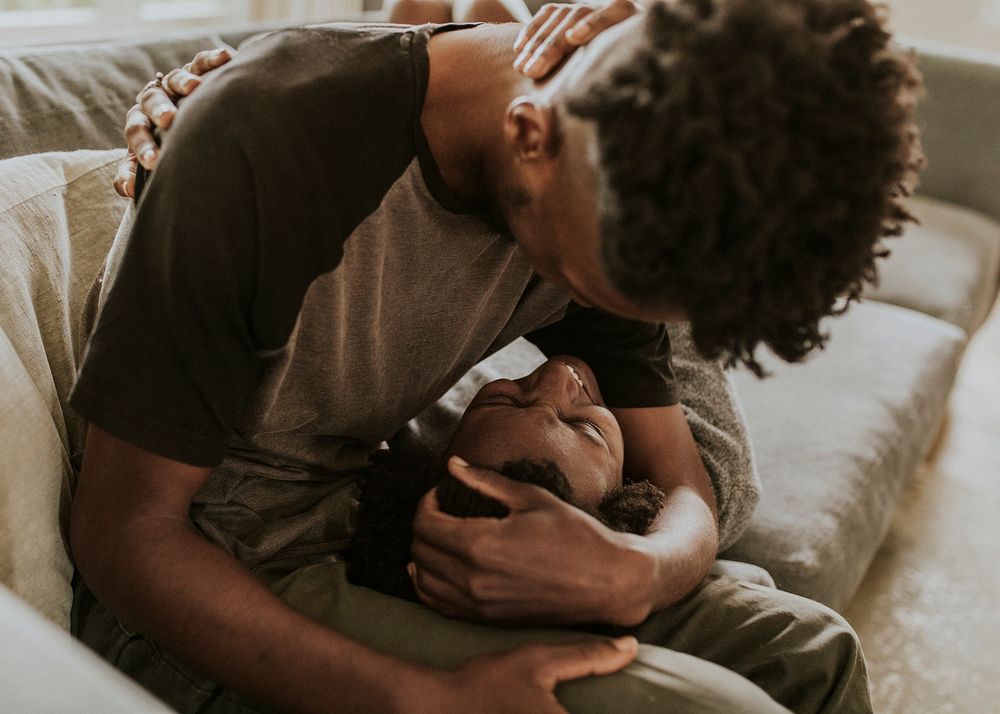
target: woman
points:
(549, 428)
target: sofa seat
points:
(836, 437)
(948, 266)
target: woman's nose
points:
(554, 382)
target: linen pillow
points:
(58, 216)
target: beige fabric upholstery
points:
(58, 214)
(836, 438)
(947, 266)
(44, 670)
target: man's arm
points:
(135, 547)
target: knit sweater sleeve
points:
(719, 427)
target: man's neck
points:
(471, 82)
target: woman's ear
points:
(632, 508)
(531, 128)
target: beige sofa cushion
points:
(58, 215)
(836, 438)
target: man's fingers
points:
(559, 663)
(181, 82)
(444, 532)
(517, 496)
(125, 176)
(139, 137)
(596, 22)
(439, 594)
(207, 60)
(440, 563)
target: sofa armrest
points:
(960, 124)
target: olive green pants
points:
(730, 646)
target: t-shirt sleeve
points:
(153, 373)
(631, 359)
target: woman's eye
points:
(589, 425)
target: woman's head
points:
(555, 414)
(550, 429)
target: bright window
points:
(49, 21)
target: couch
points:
(835, 438)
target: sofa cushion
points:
(836, 438)
(68, 97)
(43, 669)
(58, 215)
(948, 266)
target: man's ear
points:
(531, 128)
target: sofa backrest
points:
(68, 97)
(960, 125)
(58, 217)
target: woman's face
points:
(555, 414)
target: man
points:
(300, 283)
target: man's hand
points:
(521, 680)
(156, 106)
(547, 561)
(557, 29)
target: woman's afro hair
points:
(753, 153)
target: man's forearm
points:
(165, 580)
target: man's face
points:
(556, 167)
(555, 414)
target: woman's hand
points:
(520, 680)
(546, 562)
(557, 29)
(156, 107)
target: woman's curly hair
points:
(753, 154)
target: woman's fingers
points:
(529, 30)
(157, 104)
(181, 82)
(139, 137)
(559, 28)
(527, 54)
(207, 60)
(549, 52)
(596, 22)
(125, 176)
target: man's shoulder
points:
(319, 64)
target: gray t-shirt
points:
(299, 282)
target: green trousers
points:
(729, 646)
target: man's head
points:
(735, 162)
